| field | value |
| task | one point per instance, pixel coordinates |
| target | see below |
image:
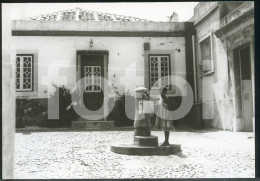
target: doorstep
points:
(92, 125)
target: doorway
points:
(92, 67)
(243, 84)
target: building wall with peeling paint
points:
(237, 32)
(210, 85)
(216, 88)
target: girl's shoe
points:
(165, 144)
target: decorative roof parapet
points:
(238, 11)
(238, 15)
(79, 14)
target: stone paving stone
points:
(87, 154)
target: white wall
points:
(8, 95)
(123, 52)
(213, 88)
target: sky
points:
(155, 11)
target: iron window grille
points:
(24, 73)
(92, 78)
(159, 71)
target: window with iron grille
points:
(159, 71)
(92, 78)
(24, 72)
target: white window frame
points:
(93, 77)
(210, 37)
(159, 70)
(21, 56)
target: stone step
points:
(146, 140)
(92, 124)
(89, 118)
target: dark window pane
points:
(206, 49)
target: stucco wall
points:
(123, 52)
(8, 96)
(214, 88)
(202, 10)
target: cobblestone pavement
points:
(87, 154)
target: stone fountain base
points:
(132, 149)
(145, 145)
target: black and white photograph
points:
(128, 90)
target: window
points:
(205, 49)
(93, 78)
(24, 72)
(159, 71)
(206, 56)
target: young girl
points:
(163, 119)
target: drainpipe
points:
(194, 70)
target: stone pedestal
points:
(146, 140)
(144, 143)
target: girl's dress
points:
(163, 119)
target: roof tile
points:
(79, 14)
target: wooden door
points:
(92, 69)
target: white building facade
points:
(63, 47)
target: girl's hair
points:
(162, 89)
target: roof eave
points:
(68, 28)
